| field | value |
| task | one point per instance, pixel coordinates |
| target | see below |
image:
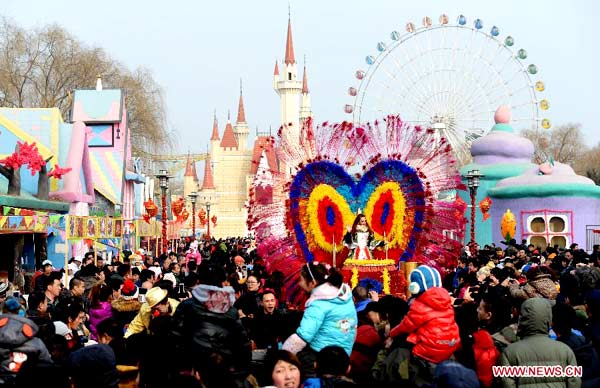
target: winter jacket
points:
(365, 349)
(249, 302)
(486, 355)
(97, 315)
(17, 335)
(267, 330)
(536, 348)
(141, 322)
(585, 354)
(208, 324)
(329, 382)
(540, 287)
(430, 325)
(505, 337)
(329, 318)
(124, 311)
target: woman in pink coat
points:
(100, 307)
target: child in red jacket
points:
(430, 323)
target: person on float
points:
(360, 239)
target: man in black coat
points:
(209, 332)
(269, 325)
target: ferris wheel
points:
(449, 77)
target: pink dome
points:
(502, 115)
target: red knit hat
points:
(129, 290)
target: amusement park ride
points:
(450, 77)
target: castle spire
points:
(190, 170)
(276, 71)
(304, 80)
(289, 45)
(208, 182)
(229, 140)
(241, 116)
(215, 131)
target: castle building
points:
(231, 165)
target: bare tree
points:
(40, 69)
(589, 164)
(564, 143)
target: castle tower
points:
(208, 183)
(305, 111)
(289, 88)
(229, 142)
(190, 178)
(241, 129)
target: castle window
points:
(547, 227)
(289, 76)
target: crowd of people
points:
(213, 316)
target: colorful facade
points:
(100, 189)
(551, 204)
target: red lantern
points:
(484, 206)
(214, 220)
(151, 210)
(202, 217)
(183, 216)
(177, 207)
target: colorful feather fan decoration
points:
(393, 172)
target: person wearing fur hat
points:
(208, 327)
(539, 285)
(18, 343)
(127, 306)
(157, 303)
(430, 322)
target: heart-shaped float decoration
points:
(325, 199)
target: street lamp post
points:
(473, 177)
(163, 182)
(207, 203)
(193, 196)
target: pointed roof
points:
(190, 168)
(276, 71)
(208, 182)
(289, 46)
(241, 117)
(229, 140)
(215, 132)
(194, 173)
(304, 82)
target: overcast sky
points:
(199, 50)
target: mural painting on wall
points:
(71, 229)
(109, 227)
(128, 236)
(118, 228)
(79, 227)
(102, 228)
(91, 227)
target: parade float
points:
(390, 173)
